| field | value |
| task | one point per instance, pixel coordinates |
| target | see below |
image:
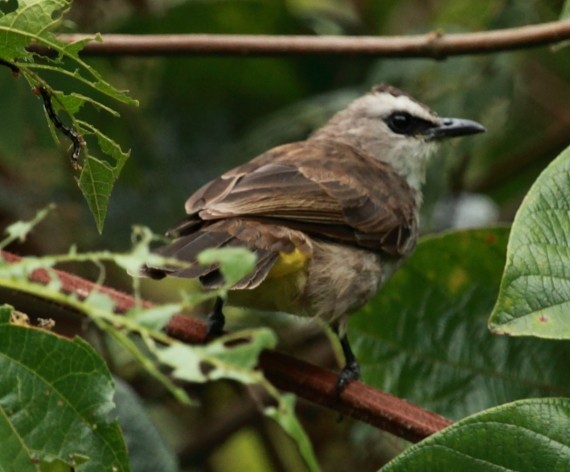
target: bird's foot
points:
(349, 373)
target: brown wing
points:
(321, 188)
(324, 188)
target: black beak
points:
(451, 127)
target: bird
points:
(330, 218)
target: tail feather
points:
(187, 248)
(262, 240)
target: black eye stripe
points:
(401, 122)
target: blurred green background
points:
(199, 116)
(202, 115)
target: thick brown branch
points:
(435, 44)
(287, 373)
(319, 386)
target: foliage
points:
(423, 338)
(232, 356)
(448, 361)
(55, 400)
(535, 292)
(33, 23)
(485, 441)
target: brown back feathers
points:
(320, 188)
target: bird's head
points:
(391, 126)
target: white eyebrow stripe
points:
(383, 104)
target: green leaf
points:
(108, 147)
(34, 22)
(284, 415)
(155, 317)
(14, 451)
(96, 183)
(98, 177)
(98, 306)
(56, 396)
(73, 102)
(424, 337)
(33, 19)
(229, 357)
(235, 262)
(20, 229)
(534, 297)
(235, 356)
(526, 436)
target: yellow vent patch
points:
(288, 263)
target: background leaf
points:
(565, 13)
(235, 356)
(535, 291)
(284, 415)
(140, 433)
(425, 337)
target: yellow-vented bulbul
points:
(329, 218)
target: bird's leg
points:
(216, 320)
(351, 369)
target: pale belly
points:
(336, 281)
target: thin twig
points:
(74, 136)
(435, 44)
(310, 382)
(13, 67)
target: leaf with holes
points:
(55, 403)
(235, 262)
(33, 23)
(232, 356)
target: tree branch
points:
(436, 44)
(310, 382)
(319, 386)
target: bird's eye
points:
(401, 123)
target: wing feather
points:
(325, 188)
